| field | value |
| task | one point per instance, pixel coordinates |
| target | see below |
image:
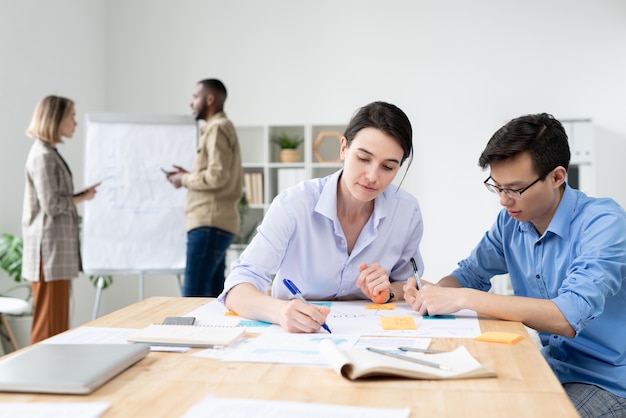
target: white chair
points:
(12, 306)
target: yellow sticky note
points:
(398, 322)
(499, 337)
(381, 306)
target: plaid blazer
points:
(49, 217)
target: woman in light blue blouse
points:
(350, 235)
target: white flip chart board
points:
(136, 221)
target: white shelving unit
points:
(260, 155)
(598, 156)
(581, 144)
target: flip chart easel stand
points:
(100, 283)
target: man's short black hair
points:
(214, 85)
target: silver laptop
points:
(67, 368)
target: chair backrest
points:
(13, 306)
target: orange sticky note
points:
(499, 337)
(381, 306)
(398, 322)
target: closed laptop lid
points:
(67, 368)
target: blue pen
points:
(296, 292)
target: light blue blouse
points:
(579, 263)
(301, 239)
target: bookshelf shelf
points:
(265, 176)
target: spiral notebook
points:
(188, 335)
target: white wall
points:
(459, 69)
(46, 47)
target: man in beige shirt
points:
(214, 189)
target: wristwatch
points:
(391, 296)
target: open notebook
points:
(67, 368)
(357, 363)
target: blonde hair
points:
(47, 118)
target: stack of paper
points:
(188, 335)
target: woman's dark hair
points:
(387, 118)
(541, 135)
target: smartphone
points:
(179, 320)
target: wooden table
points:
(168, 384)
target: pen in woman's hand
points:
(296, 292)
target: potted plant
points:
(11, 262)
(288, 147)
(11, 255)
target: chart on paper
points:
(360, 318)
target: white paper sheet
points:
(245, 408)
(53, 409)
(353, 318)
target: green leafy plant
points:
(285, 141)
(106, 281)
(11, 247)
(11, 255)
(11, 261)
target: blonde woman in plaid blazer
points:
(51, 256)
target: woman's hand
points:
(87, 194)
(374, 282)
(297, 316)
(90, 192)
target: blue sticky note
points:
(322, 303)
(438, 317)
(251, 323)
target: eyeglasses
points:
(513, 194)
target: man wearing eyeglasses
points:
(565, 253)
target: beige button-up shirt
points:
(215, 183)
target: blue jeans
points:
(206, 261)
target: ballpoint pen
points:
(417, 277)
(421, 350)
(418, 282)
(296, 292)
(411, 359)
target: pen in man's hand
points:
(417, 276)
(296, 292)
(418, 282)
